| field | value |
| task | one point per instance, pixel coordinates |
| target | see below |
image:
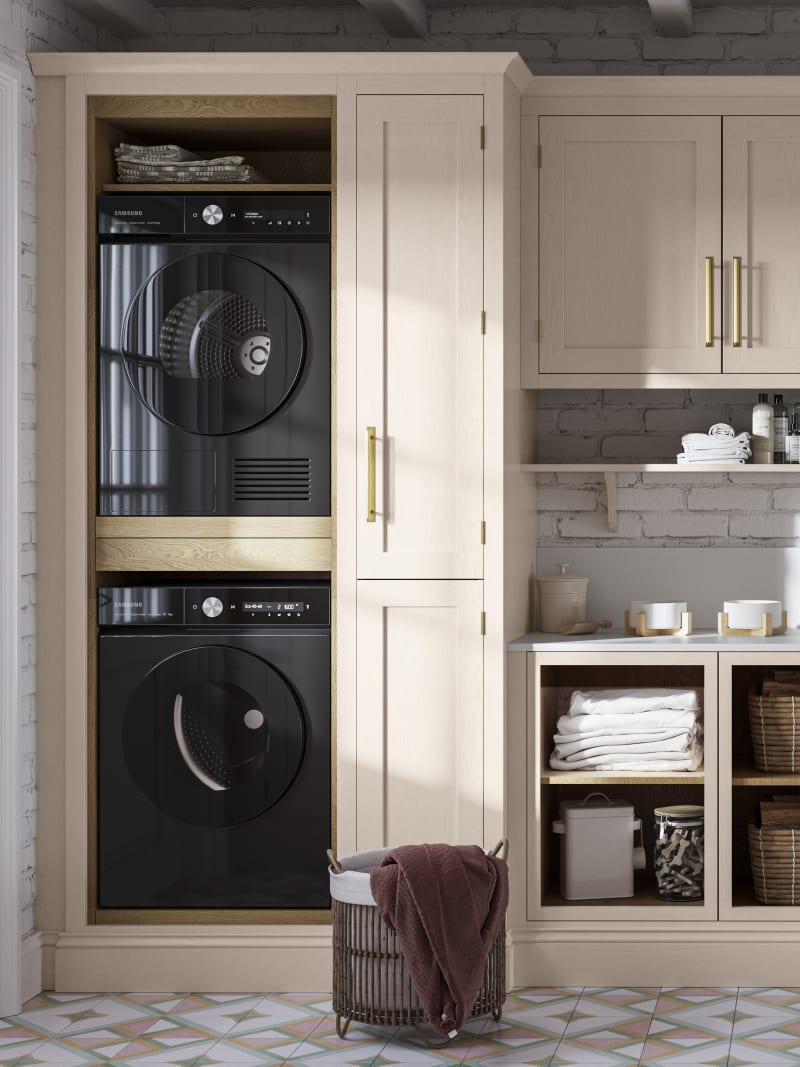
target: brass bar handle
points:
(709, 301)
(370, 474)
(737, 301)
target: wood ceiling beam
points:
(400, 18)
(672, 18)
(125, 18)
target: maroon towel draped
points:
(447, 904)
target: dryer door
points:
(213, 342)
(214, 736)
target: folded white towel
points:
(711, 460)
(721, 429)
(671, 749)
(696, 442)
(689, 762)
(628, 701)
(657, 742)
(633, 722)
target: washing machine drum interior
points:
(214, 736)
(213, 343)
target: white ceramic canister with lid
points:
(562, 599)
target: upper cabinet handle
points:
(370, 474)
(709, 301)
(737, 301)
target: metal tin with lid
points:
(597, 847)
(562, 599)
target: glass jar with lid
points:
(679, 852)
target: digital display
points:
(273, 605)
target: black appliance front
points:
(214, 355)
(214, 754)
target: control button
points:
(212, 606)
(212, 214)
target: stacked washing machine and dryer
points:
(214, 696)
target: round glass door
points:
(214, 736)
(213, 343)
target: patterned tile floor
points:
(541, 1027)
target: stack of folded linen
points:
(720, 445)
(630, 730)
(170, 163)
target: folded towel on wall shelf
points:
(720, 445)
(629, 701)
(659, 719)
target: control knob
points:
(212, 214)
(212, 606)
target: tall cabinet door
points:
(629, 225)
(420, 713)
(761, 229)
(419, 342)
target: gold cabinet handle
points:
(737, 301)
(370, 474)
(709, 301)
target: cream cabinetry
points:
(420, 701)
(629, 221)
(419, 341)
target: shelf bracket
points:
(611, 498)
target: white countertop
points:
(619, 641)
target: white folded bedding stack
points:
(630, 730)
(720, 445)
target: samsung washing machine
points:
(214, 354)
(214, 746)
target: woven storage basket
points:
(775, 729)
(775, 862)
(371, 983)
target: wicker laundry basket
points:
(775, 730)
(775, 863)
(371, 983)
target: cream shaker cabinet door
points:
(419, 734)
(419, 343)
(761, 238)
(629, 245)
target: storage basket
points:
(775, 863)
(371, 983)
(775, 729)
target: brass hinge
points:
(483, 322)
(483, 138)
(483, 531)
(483, 624)
(539, 154)
(539, 329)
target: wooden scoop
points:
(584, 627)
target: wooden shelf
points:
(644, 895)
(214, 187)
(550, 777)
(746, 773)
(661, 468)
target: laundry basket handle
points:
(337, 867)
(500, 849)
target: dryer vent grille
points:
(272, 479)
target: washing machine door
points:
(214, 736)
(213, 343)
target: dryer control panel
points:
(297, 604)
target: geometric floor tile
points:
(541, 1027)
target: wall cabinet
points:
(419, 341)
(636, 274)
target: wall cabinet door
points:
(629, 212)
(761, 226)
(419, 735)
(419, 342)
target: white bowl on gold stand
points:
(658, 618)
(751, 618)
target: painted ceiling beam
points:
(400, 18)
(125, 18)
(672, 18)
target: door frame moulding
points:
(10, 978)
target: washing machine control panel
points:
(298, 604)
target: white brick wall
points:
(578, 39)
(686, 509)
(33, 25)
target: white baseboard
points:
(292, 961)
(31, 965)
